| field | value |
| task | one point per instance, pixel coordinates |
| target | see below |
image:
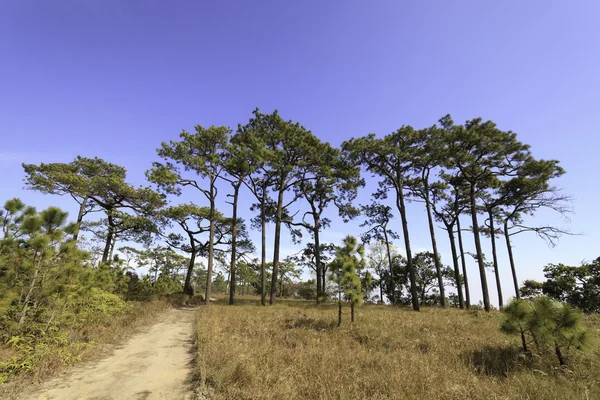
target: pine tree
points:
(348, 262)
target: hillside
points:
(294, 350)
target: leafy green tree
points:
(195, 221)
(530, 289)
(200, 152)
(95, 184)
(447, 207)
(515, 319)
(330, 180)
(550, 323)
(377, 260)
(578, 286)
(40, 264)
(429, 154)
(482, 154)
(307, 257)
(345, 269)
(526, 193)
(240, 161)
(378, 217)
(390, 158)
(290, 149)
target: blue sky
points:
(113, 79)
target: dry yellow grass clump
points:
(294, 351)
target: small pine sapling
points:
(348, 261)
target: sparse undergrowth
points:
(294, 351)
(27, 359)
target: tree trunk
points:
(463, 263)
(523, 341)
(112, 248)
(30, 291)
(495, 258)
(318, 259)
(438, 267)
(352, 312)
(339, 308)
(155, 272)
(484, 285)
(232, 271)
(461, 301)
(409, 262)
(561, 359)
(511, 259)
(389, 257)
(187, 287)
(381, 289)
(109, 237)
(281, 286)
(79, 219)
(276, 247)
(324, 280)
(211, 244)
(263, 253)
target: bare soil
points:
(154, 364)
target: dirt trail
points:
(154, 364)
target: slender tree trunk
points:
(318, 259)
(263, 254)
(339, 306)
(232, 271)
(409, 261)
(476, 237)
(461, 301)
(523, 341)
(352, 312)
(109, 237)
(561, 359)
(463, 263)
(511, 259)
(381, 289)
(438, 266)
(155, 271)
(112, 248)
(389, 257)
(495, 258)
(79, 219)
(276, 247)
(187, 287)
(228, 281)
(281, 286)
(30, 291)
(211, 244)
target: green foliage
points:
(548, 323)
(578, 286)
(345, 271)
(531, 289)
(425, 279)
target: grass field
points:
(293, 350)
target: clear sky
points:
(114, 78)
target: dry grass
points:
(94, 342)
(294, 351)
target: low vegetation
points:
(295, 351)
(34, 356)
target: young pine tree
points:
(550, 323)
(344, 271)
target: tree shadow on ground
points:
(496, 361)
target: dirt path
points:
(154, 364)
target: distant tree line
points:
(473, 178)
